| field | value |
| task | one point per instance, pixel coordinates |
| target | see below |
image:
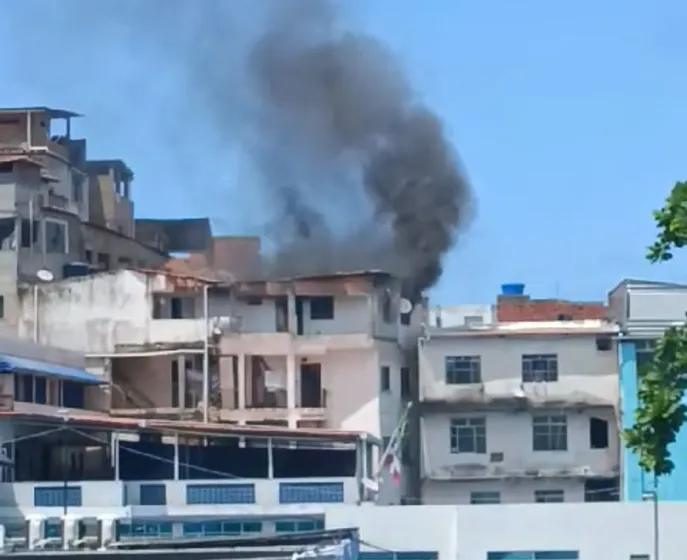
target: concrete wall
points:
(118, 247)
(512, 491)
(582, 368)
(510, 433)
(148, 376)
(456, 315)
(95, 314)
(352, 314)
(646, 308)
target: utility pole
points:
(206, 354)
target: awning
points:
(13, 364)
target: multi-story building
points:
(519, 412)
(643, 311)
(63, 215)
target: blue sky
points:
(569, 117)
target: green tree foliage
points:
(672, 225)
(660, 412)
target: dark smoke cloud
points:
(337, 101)
(352, 171)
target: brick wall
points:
(511, 309)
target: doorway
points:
(311, 386)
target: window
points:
(175, 383)
(55, 496)
(385, 304)
(311, 492)
(56, 238)
(548, 496)
(601, 490)
(89, 256)
(166, 306)
(6, 166)
(72, 394)
(405, 383)
(7, 237)
(220, 494)
(104, 261)
(77, 188)
(296, 526)
(534, 555)
(463, 369)
(30, 232)
(153, 495)
(598, 433)
(550, 433)
(485, 498)
(405, 319)
(604, 343)
(23, 388)
(385, 375)
(468, 435)
(539, 367)
(322, 307)
(2, 307)
(639, 557)
(41, 393)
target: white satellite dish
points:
(406, 306)
(45, 275)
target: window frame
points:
(317, 313)
(473, 370)
(54, 221)
(547, 424)
(485, 497)
(385, 379)
(530, 374)
(544, 496)
(478, 427)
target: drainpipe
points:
(206, 355)
(35, 313)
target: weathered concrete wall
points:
(582, 368)
(95, 314)
(511, 434)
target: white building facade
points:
(524, 412)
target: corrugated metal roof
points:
(96, 420)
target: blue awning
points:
(13, 364)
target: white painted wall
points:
(96, 313)
(512, 491)
(582, 369)
(510, 433)
(352, 314)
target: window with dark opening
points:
(386, 307)
(604, 343)
(322, 307)
(30, 231)
(56, 237)
(385, 374)
(598, 433)
(405, 319)
(405, 382)
(104, 261)
(2, 307)
(601, 490)
(6, 167)
(175, 383)
(7, 227)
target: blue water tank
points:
(513, 289)
(76, 269)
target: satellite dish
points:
(45, 275)
(406, 306)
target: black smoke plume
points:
(338, 103)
